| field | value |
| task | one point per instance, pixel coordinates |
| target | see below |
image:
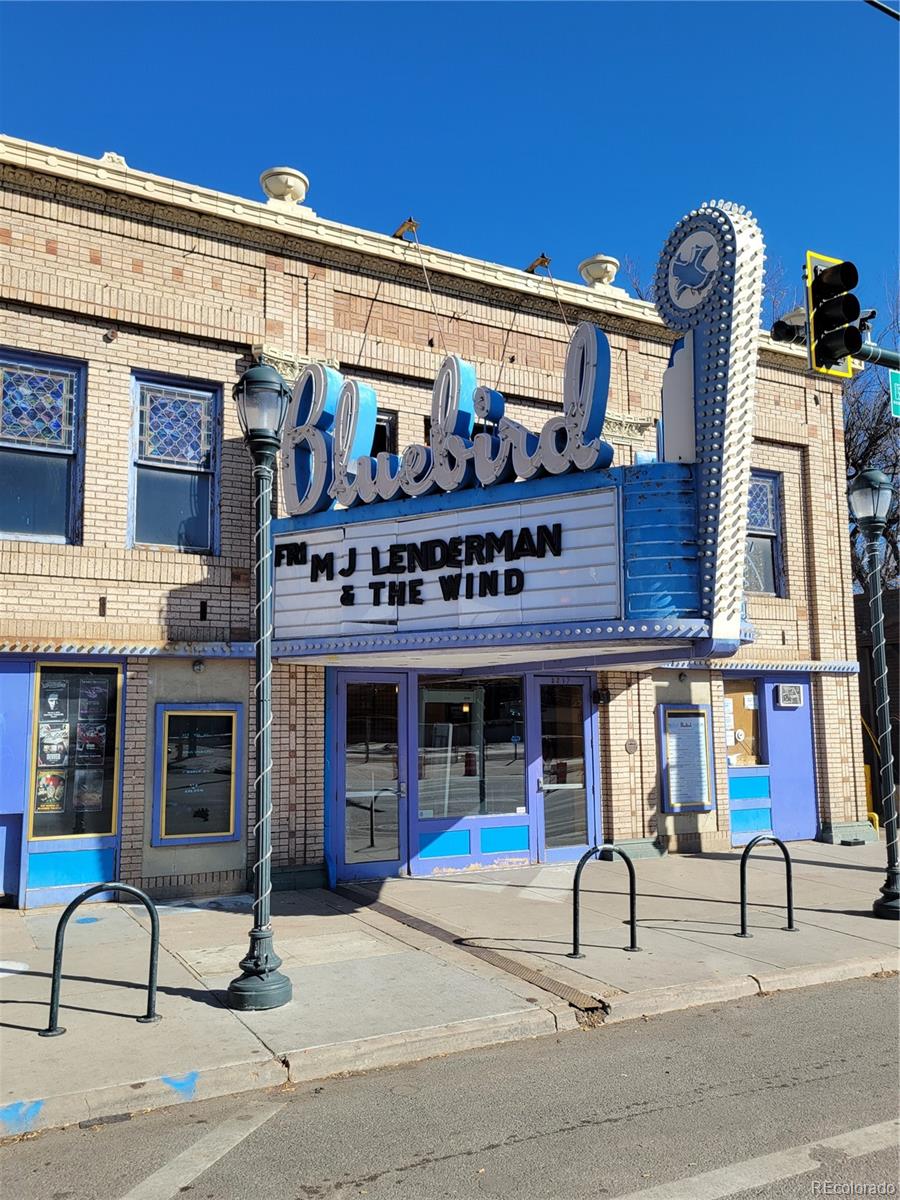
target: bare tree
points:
(634, 274)
(782, 292)
(872, 439)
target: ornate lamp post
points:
(262, 396)
(870, 496)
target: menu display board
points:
(75, 751)
(686, 763)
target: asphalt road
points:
(787, 1095)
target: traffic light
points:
(831, 309)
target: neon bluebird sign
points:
(327, 457)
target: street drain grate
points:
(564, 991)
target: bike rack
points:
(54, 1029)
(576, 899)
(764, 837)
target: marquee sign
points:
(500, 564)
(527, 538)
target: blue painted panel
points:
(751, 820)
(659, 520)
(10, 853)
(504, 837)
(450, 843)
(15, 734)
(63, 867)
(748, 787)
(792, 769)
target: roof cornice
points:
(112, 174)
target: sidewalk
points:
(688, 913)
(379, 979)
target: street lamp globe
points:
(261, 397)
(870, 496)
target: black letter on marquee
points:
(513, 581)
(322, 564)
(549, 540)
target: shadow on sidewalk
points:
(198, 995)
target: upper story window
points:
(763, 562)
(40, 409)
(385, 439)
(175, 466)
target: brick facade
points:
(126, 272)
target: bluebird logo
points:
(691, 274)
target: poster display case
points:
(74, 788)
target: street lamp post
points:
(262, 396)
(870, 496)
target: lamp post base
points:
(888, 903)
(260, 985)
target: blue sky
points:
(506, 128)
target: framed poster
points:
(75, 751)
(686, 757)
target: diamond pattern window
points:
(174, 491)
(763, 561)
(40, 400)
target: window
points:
(742, 732)
(199, 774)
(385, 439)
(174, 474)
(40, 402)
(762, 564)
(75, 768)
(471, 761)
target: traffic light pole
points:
(868, 352)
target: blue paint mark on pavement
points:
(20, 1117)
(86, 920)
(185, 1086)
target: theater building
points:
(553, 564)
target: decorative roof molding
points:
(133, 649)
(92, 180)
(836, 667)
(289, 365)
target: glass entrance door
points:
(566, 768)
(371, 775)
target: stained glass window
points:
(762, 560)
(37, 406)
(39, 401)
(175, 425)
(174, 491)
(761, 505)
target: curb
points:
(398, 1049)
(631, 1007)
(121, 1101)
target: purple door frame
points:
(430, 846)
(404, 681)
(536, 766)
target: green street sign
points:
(894, 377)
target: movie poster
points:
(54, 704)
(93, 699)
(50, 792)
(89, 790)
(53, 744)
(90, 744)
